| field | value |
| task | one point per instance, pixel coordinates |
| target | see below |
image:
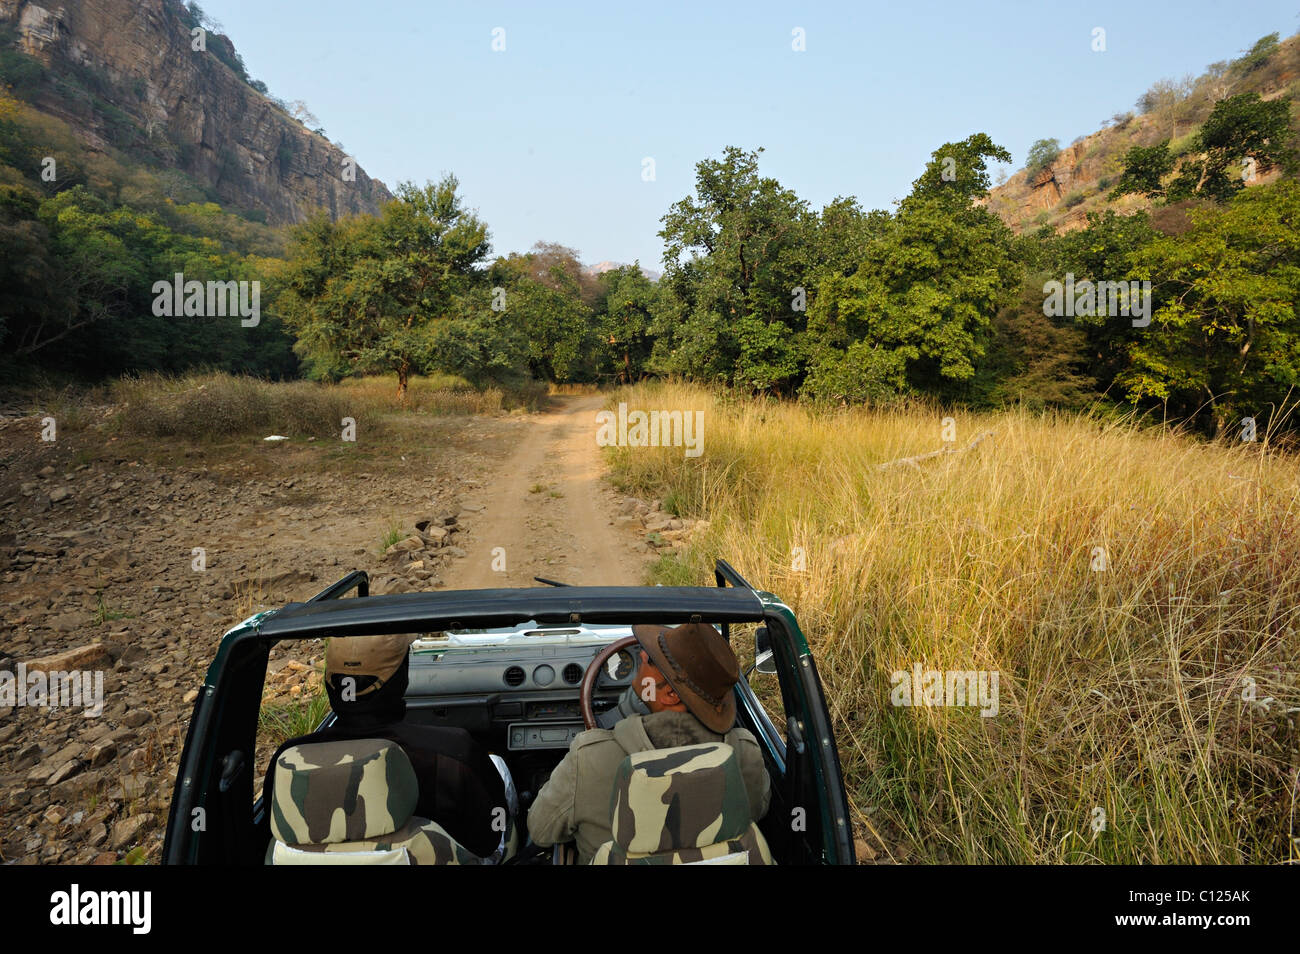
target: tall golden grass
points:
(1135, 590)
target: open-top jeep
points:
(524, 671)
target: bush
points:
(1183, 144)
(1074, 198)
(1041, 155)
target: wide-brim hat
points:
(699, 665)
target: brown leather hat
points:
(699, 665)
(378, 656)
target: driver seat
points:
(682, 806)
(352, 803)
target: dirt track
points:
(97, 539)
(548, 512)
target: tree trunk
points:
(403, 372)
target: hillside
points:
(1063, 191)
(124, 76)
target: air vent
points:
(514, 676)
(572, 674)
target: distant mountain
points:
(1062, 192)
(602, 267)
(126, 75)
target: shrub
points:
(1041, 155)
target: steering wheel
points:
(593, 673)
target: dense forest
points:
(761, 291)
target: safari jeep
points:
(523, 671)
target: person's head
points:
(655, 689)
(693, 670)
(367, 676)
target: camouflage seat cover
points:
(353, 797)
(685, 805)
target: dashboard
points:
(523, 690)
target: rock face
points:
(1078, 181)
(191, 110)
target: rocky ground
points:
(133, 559)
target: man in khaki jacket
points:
(686, 680)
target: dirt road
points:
(97, 547)
(546, 511)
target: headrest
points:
(330, 792)
(691, 796)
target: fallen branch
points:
(915, 461)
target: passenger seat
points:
(352, 802)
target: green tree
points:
(1225, 334)
(1041, 155)
(1032, 359)
(626, 317)
(917, 312)
(366, 293)
(1145, 169)
(1241, 130)
(958, 171)
(1100, 253)
(738, 264)
(1257, 55)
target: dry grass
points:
(214, 406)
(1124, 689)
(434, 395)
(211, 406)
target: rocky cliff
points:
(124, 73)
(1077, 181)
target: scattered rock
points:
(102, 752)
(67, 770)
(408, 545)
(137, 717)
(127, 831)
(90, 656)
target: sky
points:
(550, 136)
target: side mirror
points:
(764, 661)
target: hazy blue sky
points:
(548, 136)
